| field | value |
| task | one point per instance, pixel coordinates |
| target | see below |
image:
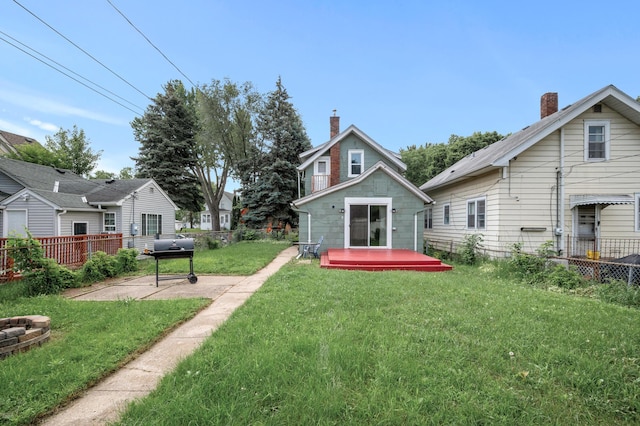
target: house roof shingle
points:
(10, 141)
(64, 188)
(499, 153)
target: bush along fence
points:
(602, 260)
(70, 251)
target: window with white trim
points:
(428, 218)
(596, 140)
(109, 224)
(476, 213)
(356, 162)
(446, 210)
(151, 224)
(80, 228)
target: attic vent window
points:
(597, 108)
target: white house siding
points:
(449, 237)
(8, 185)
(40, 219)
(528, 197)
(148, 201)
(619, 175)
(527, 193)
(92, 219)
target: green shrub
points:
(27, 253)
(127, 260)
(469, 249)
(563, 277)
(526, 267)
(50, 278)
(99, 267)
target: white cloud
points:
(52, 128)
(37, 102)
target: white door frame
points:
(379, 201)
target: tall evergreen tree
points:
(168, 151)
(268, 197)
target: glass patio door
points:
(368, 225)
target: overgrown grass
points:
(243, 258)
(88, 341)
(328, 347)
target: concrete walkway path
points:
(104, 402)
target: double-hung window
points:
(109, 222)
(476, 213)
(151, 224)
(446, 211)
(428, 218)
(596, 140)
(356, 162)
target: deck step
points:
(381, 260)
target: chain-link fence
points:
(626, 269)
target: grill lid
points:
(185, 244)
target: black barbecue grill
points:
(174, 249)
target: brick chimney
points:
(334, 152)
(334, 125)
(548, 104)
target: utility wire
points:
(149, 41)
(83, 51)
(71, 71)
(71, 77)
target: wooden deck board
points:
(381, 260)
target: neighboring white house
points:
(226, 207)
(56, 202)
(572, 178)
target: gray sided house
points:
(571, 178)
(356, 195)
(57, 202)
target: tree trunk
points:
(212, 193)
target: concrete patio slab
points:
(104, 402)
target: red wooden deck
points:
(381, 260)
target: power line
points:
(66, 68)
(149, 41)
(83, 51)
(71, 77)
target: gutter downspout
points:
(60, 221)
(415, 228)
(298, 173)
(560, 220)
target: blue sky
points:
(406, 72)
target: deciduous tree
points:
(73, 151)
(226, 136)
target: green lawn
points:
(341, 347)
(88, 341)
(243, 258)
